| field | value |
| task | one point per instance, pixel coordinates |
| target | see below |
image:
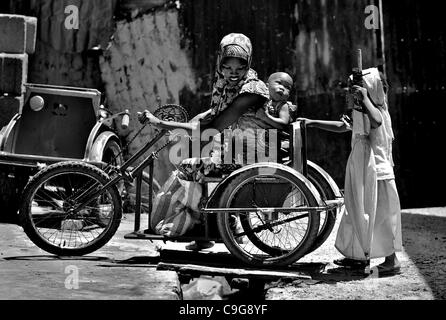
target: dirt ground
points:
(126, 269)
(423, 261)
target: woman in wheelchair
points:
(239, 100)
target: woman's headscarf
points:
(234, 45)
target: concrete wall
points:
(146, 62)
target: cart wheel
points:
(268, 238)
(46, 215)
(327, 218)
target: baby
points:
(278, 108)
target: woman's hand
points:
(261, 113)
(201, 116)
(150, 118)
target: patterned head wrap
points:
(234, 45)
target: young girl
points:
(371, 225)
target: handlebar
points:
(106, 115)
(142, 117)
(125, 120)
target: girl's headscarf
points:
(234, 45)
(376, 92)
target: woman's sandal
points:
(351, 263)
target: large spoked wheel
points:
(49, 216)
(267, 237)
(327, 218)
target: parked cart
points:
(55, 124)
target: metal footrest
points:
(141, 235)
(332, 204)
(147, 235)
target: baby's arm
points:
(284, 115)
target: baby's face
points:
(279, 85)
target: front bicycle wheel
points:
(49, 216)
(276, 230)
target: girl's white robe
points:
(371, 224)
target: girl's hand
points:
(308, 122)
(303, 119)
(359, 92)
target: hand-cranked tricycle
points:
(284, 210)
(54, 124)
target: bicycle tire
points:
(33, 221)
(273, 257)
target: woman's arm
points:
(201, 116)
(231, 114)
(170, 125)
(223, 120)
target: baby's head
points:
(279, 85)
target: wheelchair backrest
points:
(61, 128)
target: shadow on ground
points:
(424, 240)
(56, 258)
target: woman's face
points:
(233, 70)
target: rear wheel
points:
(49, 216)
(267, 237)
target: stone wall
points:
(146, 63)
(67, 56)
